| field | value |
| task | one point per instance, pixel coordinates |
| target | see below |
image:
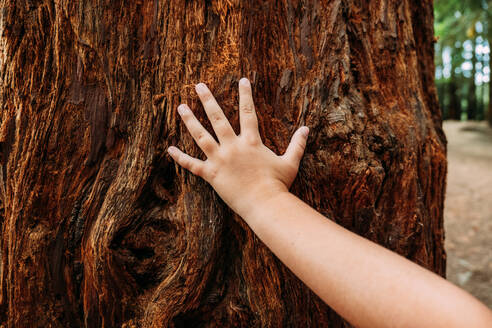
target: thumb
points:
(297, 144)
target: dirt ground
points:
(468, 208)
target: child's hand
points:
(240, 168)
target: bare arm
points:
(364, 282)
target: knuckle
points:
(248, 108)
(225, 131)
(210, 174)
(199, 136)
(208, 100)
(207, 146)
(206, 96)
(290, 163)
(251, 140)
(197, 170)
(216, 117)
(223, 155)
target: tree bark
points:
(101, 229)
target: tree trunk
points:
(471, 109)
(101, 229)
(454, 99)
(481, 102)
(441, 95)
(489, 116)
(489, 112)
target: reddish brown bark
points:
(101, 229)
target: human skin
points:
(365, 283)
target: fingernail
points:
(171, 150)
(201, 87)
(244, 81)
(304, 131)
(182, 109)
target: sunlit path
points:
(468, 207)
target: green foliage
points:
(455, 20)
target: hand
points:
(240, 168)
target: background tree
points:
(472, 91)
(101, 229)
(455, 81)
(488, 23)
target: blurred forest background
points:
(464, 36)
(464, 31)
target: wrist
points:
(260, 200)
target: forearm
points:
(365, 283)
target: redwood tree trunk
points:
(101, 229)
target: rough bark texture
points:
(101, 229)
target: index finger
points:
(220, 124)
